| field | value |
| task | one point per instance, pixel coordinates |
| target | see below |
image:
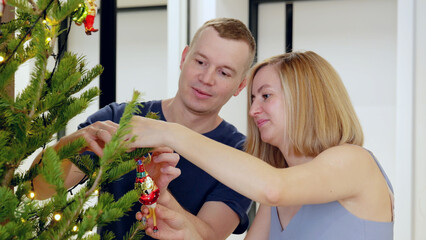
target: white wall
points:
(359, 39)
(404, 119)
(142, 54)
(420, 120)
(177, 20)
(271, 30)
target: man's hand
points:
(162, 167)
(96, 136)
(171, 224)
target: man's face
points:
(211, 72)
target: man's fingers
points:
(171, 171)
(171, 224)
(104, 135)
(138, 216)
(156, 235)
(109, 126)
(164, 213)
(94, 147)
(169, 158)
(144, 210)
(159, 150)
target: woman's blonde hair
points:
(320, 114)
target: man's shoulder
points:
(114, 111)
(228, 134)
(111, 112)
(145, 107)
(150, 106)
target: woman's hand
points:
(148, 132)
(171, 224)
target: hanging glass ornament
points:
(150, 191)
(85, 14)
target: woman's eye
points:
(266, 96)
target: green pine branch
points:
(135, 232)
(30, 121)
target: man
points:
(213, 69)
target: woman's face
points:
(268, 106)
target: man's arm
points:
(219, 217)
(72, 176)
(260, 228)
(95, 135)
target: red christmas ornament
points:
(85, 13)
(90, 19)
(150, 191)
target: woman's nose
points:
(254, 109)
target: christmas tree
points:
(30, 120)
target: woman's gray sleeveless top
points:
(330, 221)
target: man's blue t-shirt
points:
(192, 188)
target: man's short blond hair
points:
(229, 28)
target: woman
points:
(316, 180)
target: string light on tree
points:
(31, 195)
(57, 217)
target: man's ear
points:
(184, 53)
(241, 87)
